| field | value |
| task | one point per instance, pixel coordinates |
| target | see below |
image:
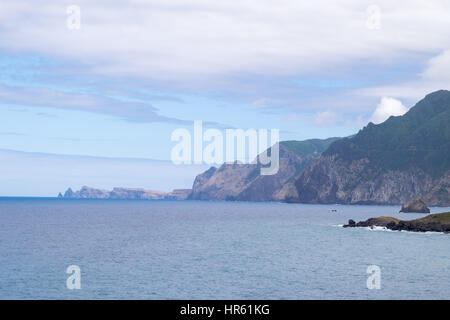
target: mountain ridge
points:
(390, 163)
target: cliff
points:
(401, 159)
(244, 182)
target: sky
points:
(113, 79)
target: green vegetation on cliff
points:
(420, 138)
(443, 218)
(307, 147)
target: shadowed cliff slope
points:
(244, 181)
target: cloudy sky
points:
(137, 70)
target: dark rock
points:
(351, 224)
(391, 225)
(378, 222)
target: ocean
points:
(213, 250)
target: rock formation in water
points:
(416, 205)
(403, 158)
(434, 222)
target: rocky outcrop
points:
(243, 182)
(372, 222)
(125, 193)
(434, 222)
(416, 205)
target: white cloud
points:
(325, 118)
(46, 97)
(438, 68)
(233, 47)
(386, 108)
(197, 38)
(436, 76)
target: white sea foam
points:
(378, 228)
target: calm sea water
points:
(212, 250)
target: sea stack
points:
(416, 205)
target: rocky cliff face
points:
(332, 181)
(394, 162)
(440, 193)
(244, 182)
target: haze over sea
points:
(212, 250)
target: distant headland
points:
(124, 193)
